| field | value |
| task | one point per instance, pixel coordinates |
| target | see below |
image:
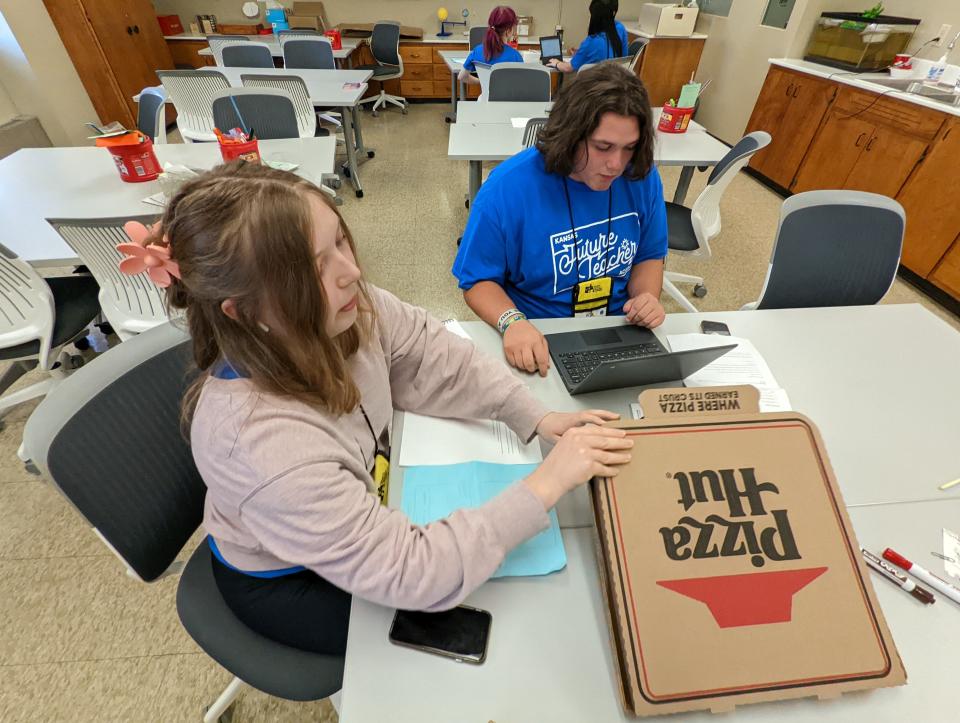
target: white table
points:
(273, 42)
(891, 433)
(83, 182)
(472, 111)
(490, 141)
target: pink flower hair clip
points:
(142, 256)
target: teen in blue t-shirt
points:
(573, 227)
(501, 29)
(606, 38)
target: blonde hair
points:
(244, 232)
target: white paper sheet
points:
(455, 327)
(519, 122)
(429, 440)
(951, 548)
(743, 365)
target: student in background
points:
(606, 38)
(575, 226)
(501, 29)
(301, 366)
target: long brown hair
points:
(244, 232)
(605, 88)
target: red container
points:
(170, 24)
(248, 151)
(134, 156)
(514, 44)
(335, 40)
(675, 120)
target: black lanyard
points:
(376, 439)
(573, 228)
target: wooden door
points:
(886, 161)
(789, 108)
(947, 273)
(668, 63)
(834, 153)
(153, 48)
(933, 212)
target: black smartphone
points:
(714, 327)
(461, 633)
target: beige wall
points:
(7, 109)
(39, 76)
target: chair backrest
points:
(532, 131)
(477, 34)
(636, 48)
(150, 114)
(627, 61)
(293, 32)
(216, 43)
(705, 211)
(306, 52)
(834, 248)
(385, 43)
(296, 89)
(192, 94)
(269, 112)
(519, 82)
(247, 55)
(132, 304)
(108, 437)
(27, 310)
(483, 75)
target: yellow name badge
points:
(381, 477)
(591, 298)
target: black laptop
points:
(550, 48)
(615, 357)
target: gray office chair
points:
(247, 55)
(192, 94)
(216, 43)
(308, 52)
(635, 51)
(143, 496)
(477, 34)
(151, 117)
(833, 248)
(519, 82)
(291, 32)
(690, 229)
(385, 46)
(38, 318)
(532, 131)
(270, 112)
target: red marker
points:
(941, 586)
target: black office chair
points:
(519, 82)
(142, 494)
(247, 55)
(531, 131)
(833, 248)
(477, 34)
(385, 46)
(307, 52)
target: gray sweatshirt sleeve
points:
(435, 372)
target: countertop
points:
(455, 38)
(634, 29)
(862, 81)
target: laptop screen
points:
(550, 47)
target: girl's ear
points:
(229, 307)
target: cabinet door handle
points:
(860, 139)
(871, 142)
(796, 91)
(136, 29)
(129, 30)
(789, 88)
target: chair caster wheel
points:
(335, 183)
(76, 361)
(82, 344)
(371, 154)
(359, 194)
(375, 113)
(699, 291)
(346, 171)
(227, 715)
(403, 110)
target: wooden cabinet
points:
(186, 54)
(666, 64)
(867, 143)
(947, 273)
(789, 108)
(116, 47)
(933, 212)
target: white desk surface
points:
(888, 420)
(273, 42)
(473, 111)
(83, 182)
(325, 87)
(454, 59)
(496, 142)
(549, 655)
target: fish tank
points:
(853, 42)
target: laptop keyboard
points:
(579, 364)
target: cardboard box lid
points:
(731, 571)
(311, 22)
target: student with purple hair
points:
(501, 29)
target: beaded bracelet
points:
(508, 317)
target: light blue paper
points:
(432, 492)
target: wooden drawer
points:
(901, 115)
(441, 72)
(416, 88)
(415, 54)
(416, 71)
(438, 59)
(947, 273)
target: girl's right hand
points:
(581, 454)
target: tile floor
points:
(83, 642)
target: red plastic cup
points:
(247, 151)
(675, 120)
(133, 154)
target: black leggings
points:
(301, 610)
